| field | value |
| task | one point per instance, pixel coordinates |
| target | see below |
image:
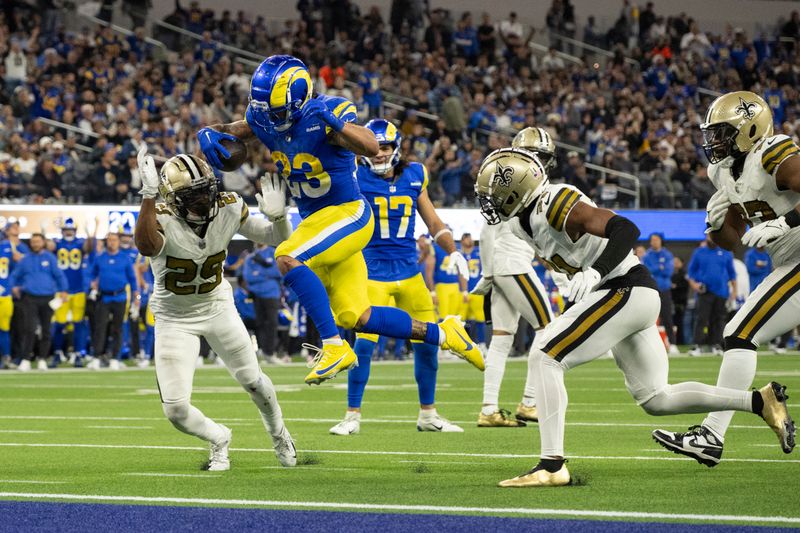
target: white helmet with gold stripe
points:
(189, 187)
(509, 180)
(538, 141)
(734, 123)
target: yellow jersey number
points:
(184, 271)
(384, 204)
(70, 259)
(4, 267)
(317, 182)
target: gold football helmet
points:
(508, 181)
(189, 187)
(734, 123)
(538, 141)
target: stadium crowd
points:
(635, 113)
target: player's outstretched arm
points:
(443, 237)
(211, 137)
(148, 239)
(621, 233)
(271, 203)
(357, 139)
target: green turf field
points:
(103, 434)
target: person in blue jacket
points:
(263, 280)
(112, 276)
(660, 263)
(759, 265)
(36, 280)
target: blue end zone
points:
(79, 517)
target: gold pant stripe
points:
(598, 316)
(771, 301)
(535, 300)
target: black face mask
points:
(200, 202)
(719, 142)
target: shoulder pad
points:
(776, 150)
(558, 205)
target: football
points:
(238, 151)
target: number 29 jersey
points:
(391, 254)
(319, 174)
(188, 270)
(756, 196)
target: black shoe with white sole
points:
(698, 442)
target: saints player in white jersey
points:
(186, 239)
(757, 176)
(515, 291)
(616, 307)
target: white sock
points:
(552, 402)
(737, 372)
(499, 348)
(263, 395)
(693, 397)
(428, 413)
(489, 409)
(442, 336)
(528, 401)
(332, 341)
(192, 421)
(529, 396)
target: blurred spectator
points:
(759, 265)
(680, 295)
(660, 263)
(711, 275)
(263, 281)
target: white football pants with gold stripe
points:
(177, 345)
(770, 311)
(512, 296)
(624, 321)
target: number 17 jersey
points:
(391, 255)
(188, 270)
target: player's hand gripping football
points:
(581, 284)
(211, 145)
(716, 210)
(317, 109)
(766, 232)
(147, 173)
(272, 198)
(458, 265)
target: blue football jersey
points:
(474, 262)
(319, 174)
(440, 274)
(71, 261)
(391, 255)
(6, 265)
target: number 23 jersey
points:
(188, 270)
(756, 196)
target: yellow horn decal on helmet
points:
(391, 132)
(279, 97)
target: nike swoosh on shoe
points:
(324, 370)
(469, 345)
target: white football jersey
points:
(550, 240)
(503, 253)
(188, 271)
(756, 195)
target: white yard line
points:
(155, 474)
(120, 427)
(32, 482)
(377, 452)
(22, 431)
(532, 511)
(315, 468)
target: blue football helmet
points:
(279, 88)
(69, 223)
(386, 133)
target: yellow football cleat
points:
(526, 414)
(329, 361)
(776, 415)
(499, 419)
(457, 341)
(538, 477)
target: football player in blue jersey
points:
(146, 283)
(314, 142)
(472, 310)
(130, 327)
(396, 190)
(71, 252)
(450, 288)
(11, 251)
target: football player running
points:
(396, 190)
(186, 239)
(757, 177)
(616, 305)
(314, 141)
(515, 291)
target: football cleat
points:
(499, 419)
(329, 361)
(41, 364)
(349, 426)
(284, 448)
(115, 364)
(699, 443)
(24, 365)
(539, 477)
(776, 415)
(218, 454)
(437, 424)
(526, 414)
(457, 341)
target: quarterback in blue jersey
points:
(71, 254)
(396, 190)
(314, 142)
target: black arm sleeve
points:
(622, 235)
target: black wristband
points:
(792, 218)
(622, 235)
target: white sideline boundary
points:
(390, 453)
(584, 513)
